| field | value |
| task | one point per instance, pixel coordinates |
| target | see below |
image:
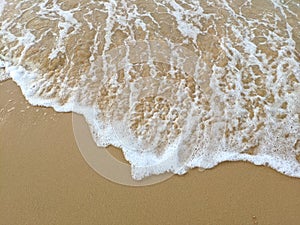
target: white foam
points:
(3, 74)
(203, 112)
(2, 5)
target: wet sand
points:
(45, 180)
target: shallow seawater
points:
(175, 84)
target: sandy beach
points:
(203, 82)
(45, 180)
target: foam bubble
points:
(2, 5)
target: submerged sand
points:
(45, 180)
(175, 84)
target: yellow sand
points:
(44, 180)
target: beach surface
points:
(176, 85)
(45, 180)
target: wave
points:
(175, 84)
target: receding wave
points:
(175, 84)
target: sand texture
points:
(45, 181)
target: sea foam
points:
(174, 84)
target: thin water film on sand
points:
(175, 84)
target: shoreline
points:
(45, 180)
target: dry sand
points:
(44, 180)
